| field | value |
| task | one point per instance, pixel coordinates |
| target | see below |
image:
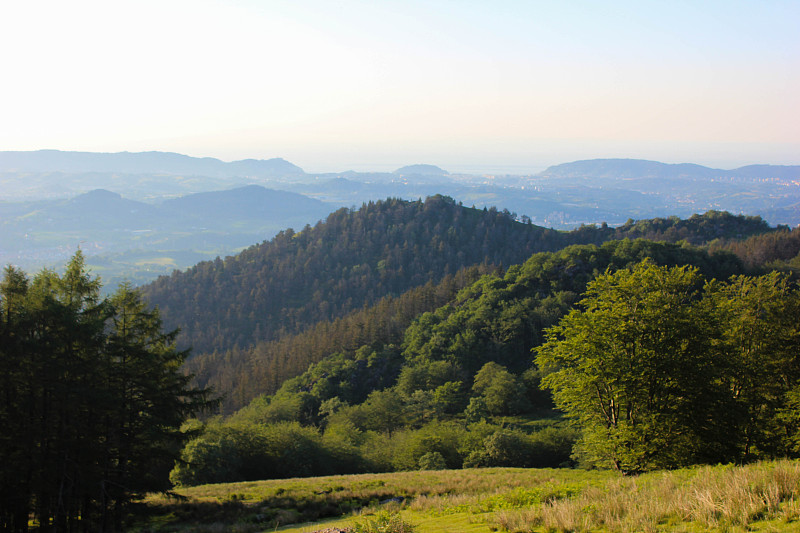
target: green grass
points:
(759, 497)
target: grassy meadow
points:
(758, 497)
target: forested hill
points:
(352, 259)
(355, 257)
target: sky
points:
(485, 86)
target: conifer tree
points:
(91, 401)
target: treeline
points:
(241, 451)
(697, 229)
(91, 402)
(468, 364)
(779, 249)
(356, 257)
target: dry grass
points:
(713, 498)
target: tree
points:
(501, 391)
(448, 398)
(634, 368)
(759, 340)
(476, 410)
(91, 401)
(432, 461)
(16, 392)
(149, 399)
(383, 411)
(660, 372)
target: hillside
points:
(241, 374)
(459, 387)
(351, 259)
(499, 319)
(260, 367)
(356, 257)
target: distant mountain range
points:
(421, 170)
(251, 202)
(625, 169)
(142, 163)
(169, 163)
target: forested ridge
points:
(497, 319)
(356, 257)
(353, 258)
(778, 249)
(244, 373)
(361, 262)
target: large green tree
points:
(632, 366)
(662, 370)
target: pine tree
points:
(91, 401)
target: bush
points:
(549, 447)
(384, 522)
(432, 461)
(410, 446)
(243, 452)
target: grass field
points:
(759, 497)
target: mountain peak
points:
(421, 170)
(101, 194)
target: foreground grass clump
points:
(384, 522)
(722, 498)
(758, 497)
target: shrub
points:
(432, 461)
(384, 522)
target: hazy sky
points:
(467, 85)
